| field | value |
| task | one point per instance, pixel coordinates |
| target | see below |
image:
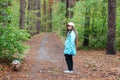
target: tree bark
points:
(38, 23)
(63, 1)
(22, 14)
(86, 27)
(50, 14)
(44, 18)
(111, 38)
(69, 6)
(29, 5)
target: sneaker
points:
(68, 71)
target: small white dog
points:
(16, 65)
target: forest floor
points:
(45, 61)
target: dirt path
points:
(48, 60)
(45, 61)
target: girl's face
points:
(69, 27)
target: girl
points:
(70, 47)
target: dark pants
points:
(69, 61)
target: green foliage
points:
(11, 41)
(58, 18)
(2, 69)
(98, 21)
(4, 11)
(14, 13)
(11, 37)
(118, 25)
(31, 21)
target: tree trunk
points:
(29, 5)
(111, 38)
(69, 6)
(44, 16)
(72, 3)
(22, 14)
(50, 14)
(86, 27)
(38, 23)
(63, 1)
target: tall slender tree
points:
(86, 27)
(3, 13)
(44, 12)
(29, 5)
(38, 23)
(29, 19)
(22, 13)
(63, 1)
(69, 6)
(50, 13)
(111, 38)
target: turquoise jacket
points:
(70, 47)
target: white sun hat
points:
(71, 24)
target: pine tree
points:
(22, 14)
(111, 38)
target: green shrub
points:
(11, 42)
(11, 37)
